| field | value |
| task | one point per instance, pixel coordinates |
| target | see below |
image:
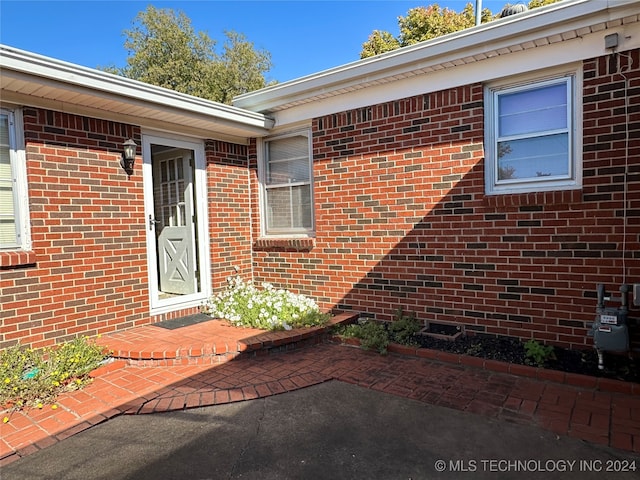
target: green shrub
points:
(404, 328)
(351, 330)
(372, 335)
(537, 354)
(377, 336)
(32, 378)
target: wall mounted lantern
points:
(128, 156)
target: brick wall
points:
(87, 273)
(229, 207)
(402, 219)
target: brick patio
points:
(212, 363)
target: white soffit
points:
(540, 27)
(34, 80)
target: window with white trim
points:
(287, 184)
(14, 226)
(531, 137)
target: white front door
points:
(174, 180)
(174, 221)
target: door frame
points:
(157, 305)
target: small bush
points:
(377, 336)
(244, 305)
(403, 329)
(351, 330)
(372, 335)
(34, 377)
(538, 354)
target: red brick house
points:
(489, 178)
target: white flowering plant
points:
(245, 305)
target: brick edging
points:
(108, 367)
(216, 353)
(543, 374)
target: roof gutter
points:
(549, 20)
(29, 64)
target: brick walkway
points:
(600, 412)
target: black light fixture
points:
(128, 156)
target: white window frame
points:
(263, 156)
(573, 179)
(17, 159)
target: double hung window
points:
(287, 185)
(531, 137)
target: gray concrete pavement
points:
(329, 431)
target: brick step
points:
(211, 342)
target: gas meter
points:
(610, 329)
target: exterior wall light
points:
(128, 156)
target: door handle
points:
(153, 222)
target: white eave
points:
(34, 80)
(556, 23)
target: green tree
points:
(425, 23)
(164, 50)
(240, 69)
(379, 42)
(541, 3)
(420, 24)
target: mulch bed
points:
(585, 362)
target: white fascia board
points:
(552, 56)
(70, 74)
(529, 26)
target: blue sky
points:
(303, 37)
